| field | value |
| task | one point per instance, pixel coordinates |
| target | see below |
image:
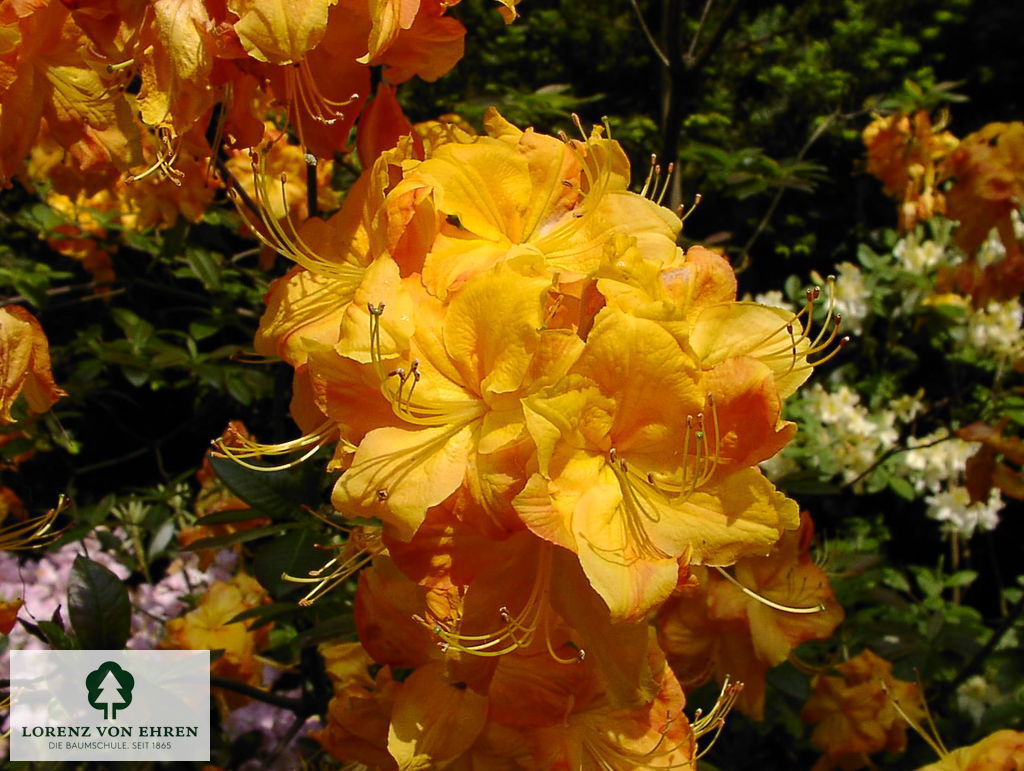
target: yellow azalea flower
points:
(1002, 750)
(332, 256)
(743, 623)
(638, 467)
(24, 364)
(434, 721)
(543, 205)
(456, 395)
(519, 194)
(855, 713)
(208, 628)
(693, 296)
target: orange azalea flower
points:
(904, 152)
(381, 126)
(739, 624)
(1003, 750)
(208, 628)
(11, 505)
(43, 75)
(356, 727)
(599, 735)
(856, 714)
(988, 169)
(519, 195)
(9, 614)
(24, 364)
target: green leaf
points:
(242, 536)
(295, 554)
(98, 606)
(332, 628)
(205, 266)
(278, 494)
(930, 584)
(902, 488)
(59, 639)
(226, 517)
(961, 578)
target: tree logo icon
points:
(110, 688)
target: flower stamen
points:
(34, 532)
(359, 549)
(167, 154)
(714, 720)
(285, 239)
(421, 412)
(819, 608)
(241, 448)
(518, 631)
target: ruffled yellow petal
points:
(280, 32)
(397, 475)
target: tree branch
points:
(770, 212)
(975, 663)
(649, 35)
(284, 702)
(688, 58)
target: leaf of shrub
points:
(98, 606)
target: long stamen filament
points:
(422, 412)
(933, 741)
(705, 443)
(35, 531)
(243, 447)
(362, 546)
(167, 154)
(820, 607)
(518, 631)
(270, 232)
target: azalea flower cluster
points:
(978, 181)
(126, 109)
(555, 415)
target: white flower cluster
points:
(861, 436)
(851, 297)
(919, 257)
(935, 465)
(995, 329)
(976, 696)
(954, 509)
(773, 298)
